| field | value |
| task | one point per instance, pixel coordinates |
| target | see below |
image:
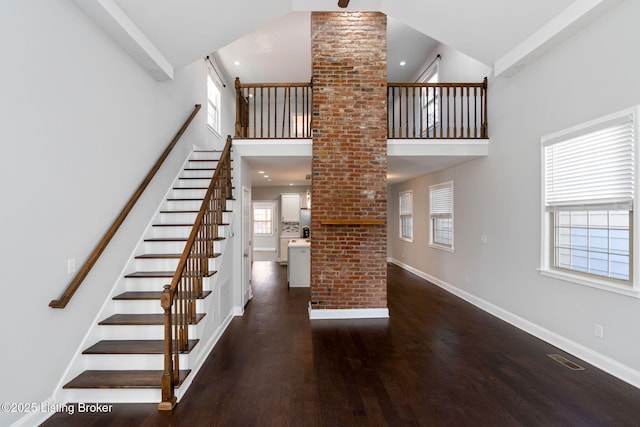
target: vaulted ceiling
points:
(272, 36)
(498, 33)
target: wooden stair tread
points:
(133, 347)
(148, 295)
(190, 188)
(122, 379)
(139, 319)
(181, 225)
(149, 274)
(170, 256)
(186, 211)
(175, 239)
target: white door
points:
(247, 252)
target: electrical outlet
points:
(598, 330)
(71, 266)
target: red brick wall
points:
(349, 166)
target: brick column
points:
(349, 166)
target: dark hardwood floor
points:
(437, 361)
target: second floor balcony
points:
(429, 111)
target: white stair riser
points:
(183, 205)
(202, 163)
(164, 264)
(156, 264)
(180, 193)
(147, 306)
(116, 395)
(130, 361)
(154, 284)
(164, 247)
(206, 155)
(182, 231)
(203, 182)
(134, 332)
(196, 173)
(178, 218)
(171, 231)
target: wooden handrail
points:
(437, 110)
(104, 242)
(179, 298)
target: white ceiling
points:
(271, 40)
(280, 51)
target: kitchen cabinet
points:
(284, 245)
(290, 207)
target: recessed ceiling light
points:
(403, 63)
(236, 62)
(266, 176)
(291, 183)
(260, 171)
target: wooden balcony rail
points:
(179, 298)
(273, 110)
(437, 110)
(104, 242)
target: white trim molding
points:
(349, 313)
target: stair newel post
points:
(168, 396)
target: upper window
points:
(213, 100)
(406, 215)
(441, 215)
(588, 196)
(430, 101)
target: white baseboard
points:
(351, 313)
(607, 364)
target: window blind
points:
(406, 203)
(593, 168)
(441, 200)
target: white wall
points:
(81, 124)
(590, 75)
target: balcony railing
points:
(437, 110)
(414, 110)
(273, 110)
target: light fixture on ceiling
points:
(403, 63)
(343, 3)
(236, 62)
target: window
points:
(430, 102)
(213, 99)
(588, 197)
(262, 219)
(441, 215)
(406, 215)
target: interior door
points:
(247, 252)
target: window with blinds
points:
(441, 215)
(588, 195)
(406, 215)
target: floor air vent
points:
(566, 362)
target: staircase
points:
(124, 359)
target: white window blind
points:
(441, 200)
(591, 168)
(406, 203)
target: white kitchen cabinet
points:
(284, 245)
(290, 207)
